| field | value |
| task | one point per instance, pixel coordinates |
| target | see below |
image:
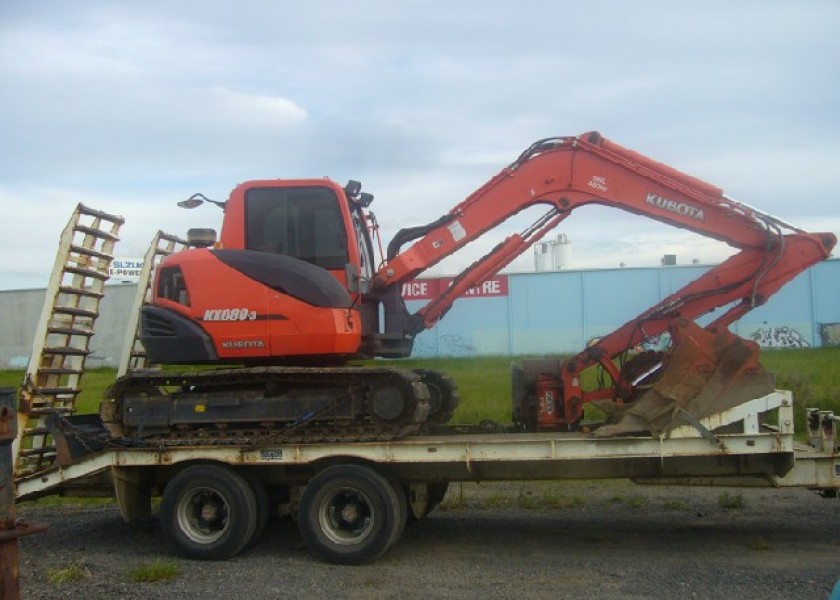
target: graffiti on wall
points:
(456, 345)
(779, 337)
(830, 334)
(424, 346)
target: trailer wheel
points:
(263, 506)
(208, 512)
(350, 514)
(401, 495)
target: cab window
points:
(301, 222)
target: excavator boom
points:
(566, 173)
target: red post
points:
(10, 528)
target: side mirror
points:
(198, 199)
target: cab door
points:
(306, 223)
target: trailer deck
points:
(752, 454)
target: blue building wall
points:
(559, 311)
(541, 313)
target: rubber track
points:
(315, 430)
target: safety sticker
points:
(457, 230)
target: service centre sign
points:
(426, 289)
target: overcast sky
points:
(131, 106)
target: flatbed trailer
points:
(352, 499)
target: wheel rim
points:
(346, 517)
(203, 515)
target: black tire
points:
(401, 499)
(349, 514)
(263, 506)
(208, 512)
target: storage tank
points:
(562, 252)
(543, 256)
(553, 255)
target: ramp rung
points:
(67, 351)
(57, 391)
(65, 289)
(59, 371)
(86, 272)
(41, 409)
(174, 239)
(70, 331)
(38, 451)
(90, 252)
(92, 212)
(37, 431)
(76, 312)
(97, 233)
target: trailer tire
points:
(208, 512)
(350, 514)
(263, 507)
(401, 495)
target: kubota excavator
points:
(290, 292)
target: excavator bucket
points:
(704, 372)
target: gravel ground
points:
(570, 540)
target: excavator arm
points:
(565, 173)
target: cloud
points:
(265, 111)
(131, 106)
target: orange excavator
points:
(290, 292)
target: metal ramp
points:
(62, 338)
(133, 355)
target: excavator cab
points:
(277, 287)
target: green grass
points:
(75, 571)
(456, 499)
(159, 569)
(674, 505)
(632, 501)
(93, 384)
(811, 374)
(484, 382)
(731, 501)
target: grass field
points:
(813, 375)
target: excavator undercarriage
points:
(260, 406)
(287, 404)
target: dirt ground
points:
(560, 540)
